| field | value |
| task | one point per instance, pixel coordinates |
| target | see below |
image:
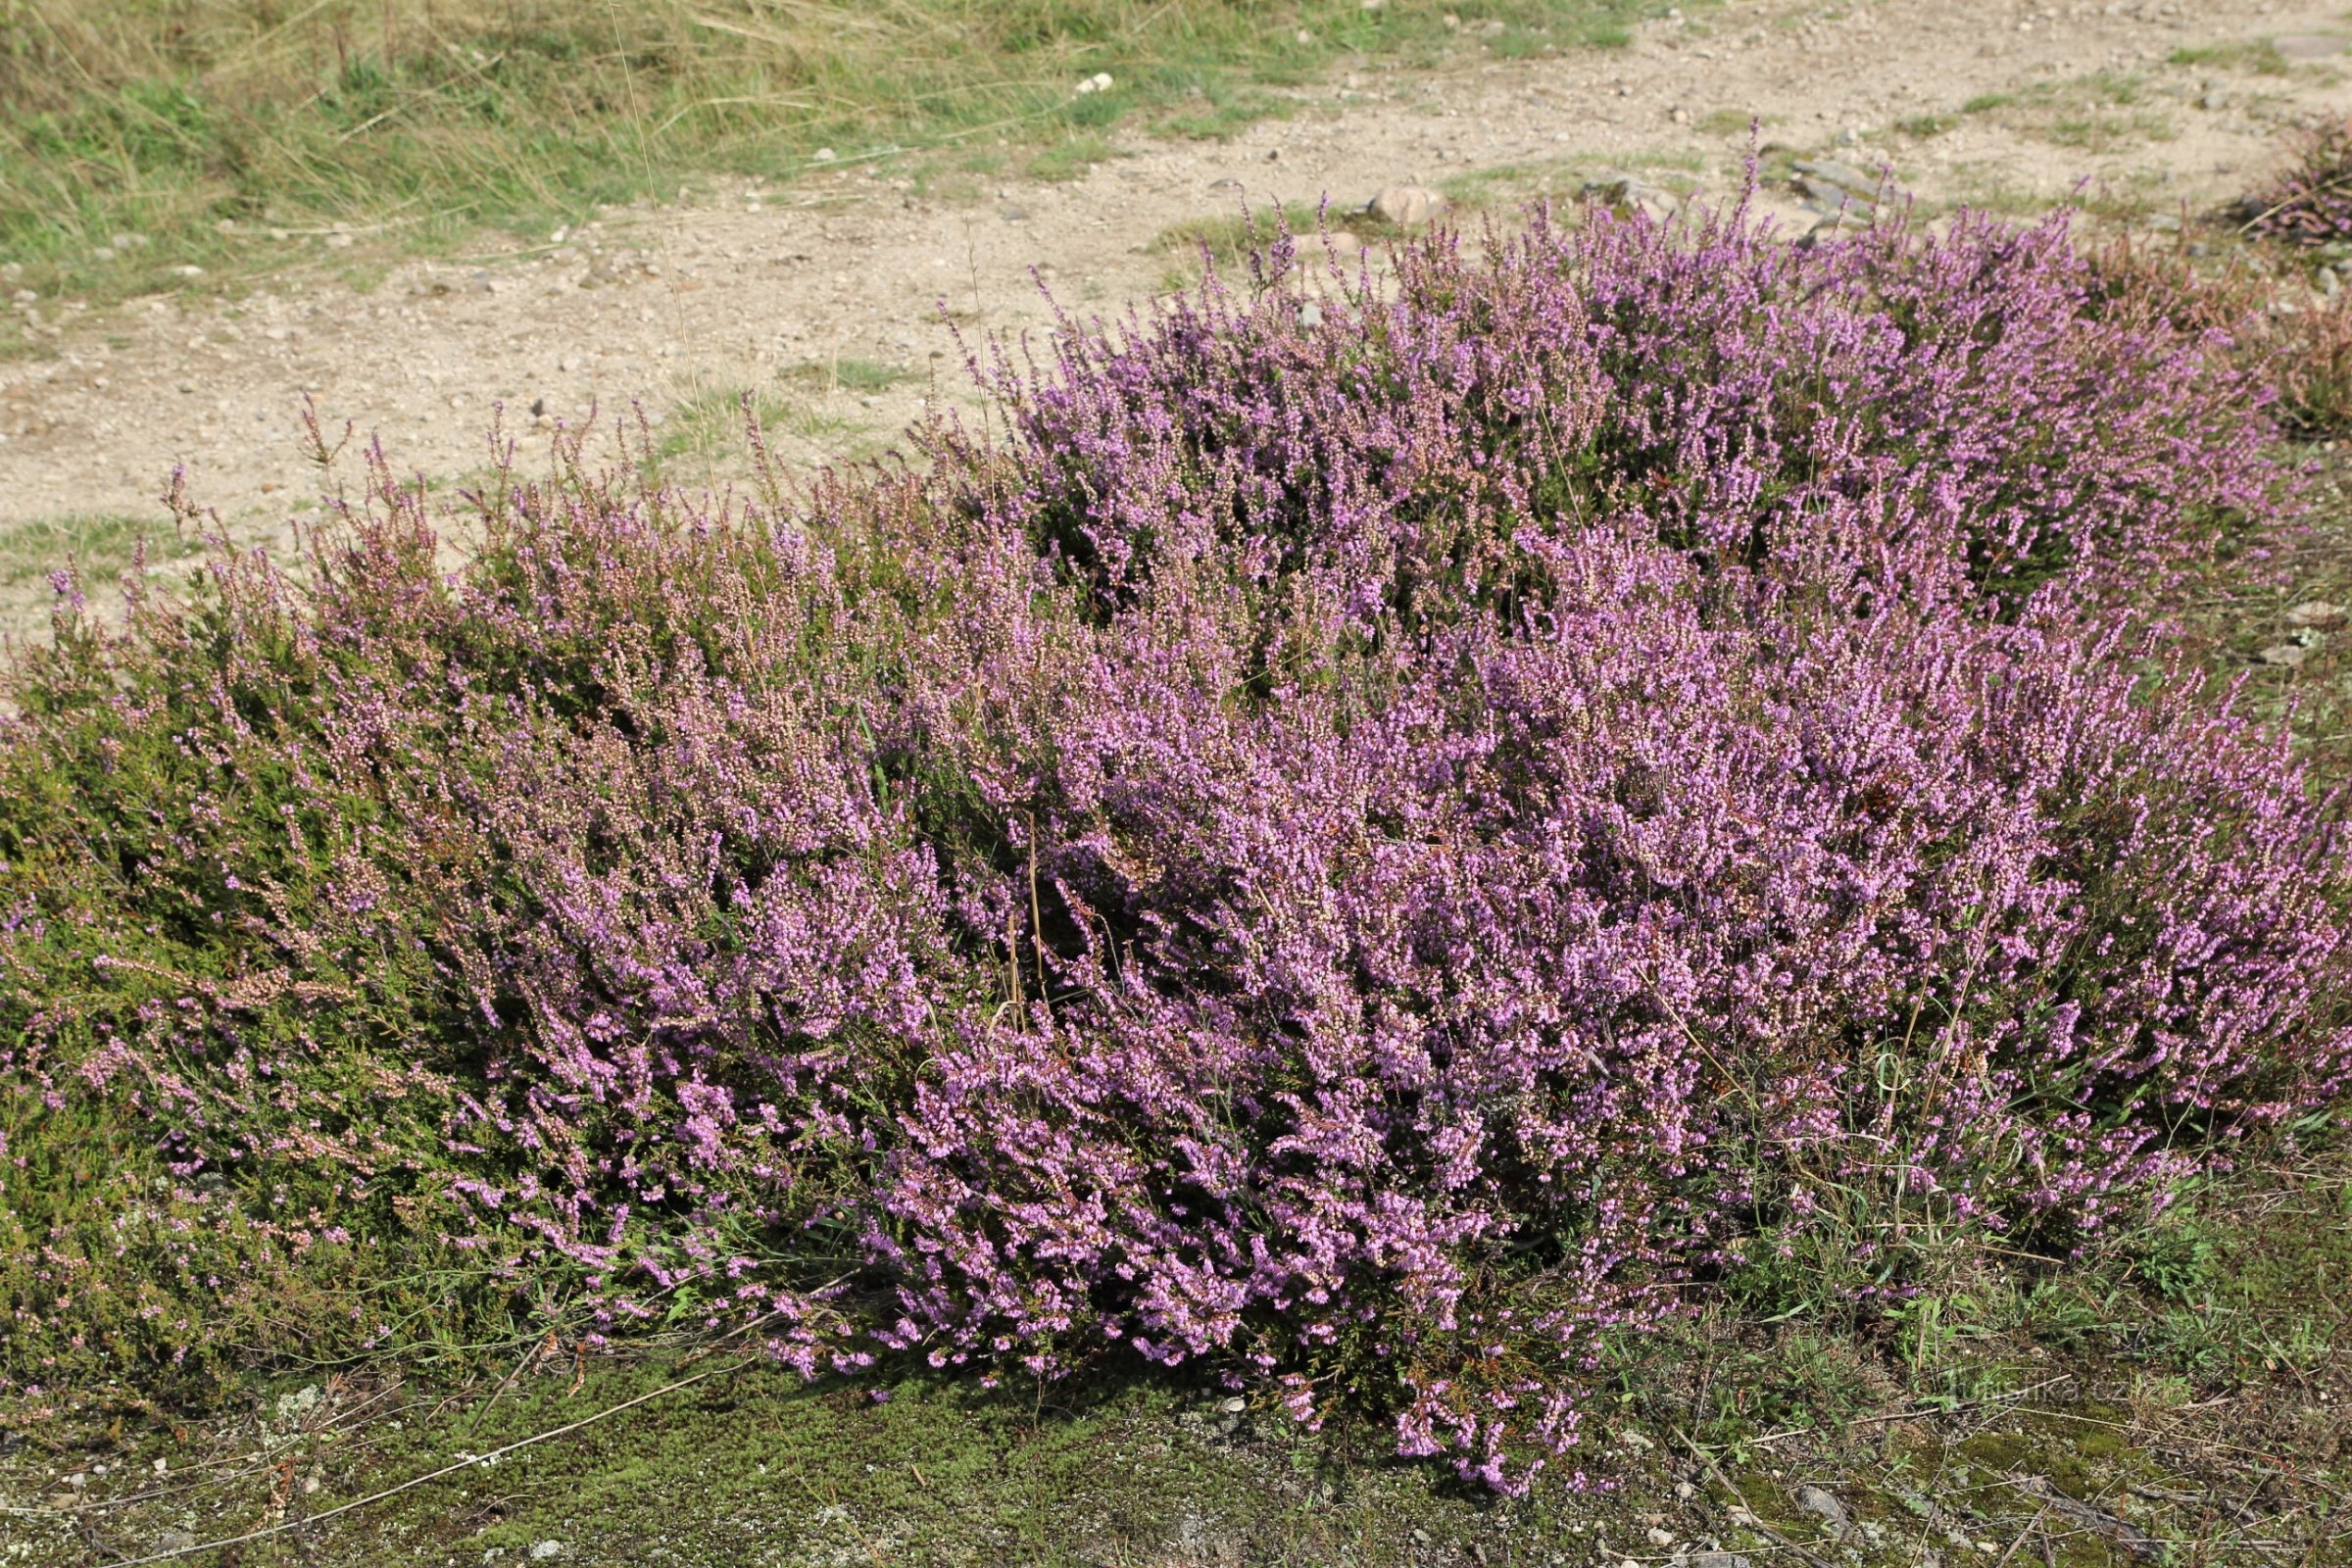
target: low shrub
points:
(1945, 418)
(2297, 340)
(2310, 201)
(2311, 347)
(1368, 849)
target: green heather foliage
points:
(1373, 850)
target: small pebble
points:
(2318, 615)
(1407, 206)
(1825, 1504)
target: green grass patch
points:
(101, 547)
(1734, 121)
(2100, 112)
(2262, 56)
(710, 422)
(1227, 240)
(140, 140)
(2100, 134)
(708, 431)
(847, 375)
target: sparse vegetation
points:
(2095, 113)
(848, 374)
(138, 140)
(98, 549)
(2262, 56)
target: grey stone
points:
(1845, 175)
(545, 1550)
(1408, 205)
(2287, 656)
(2318, 615)
(2311, 45)
(1825, 1504)
(1627, 194)
(175, 1541)
(1824, 196)
(1718, 1559)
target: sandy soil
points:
(680, 307)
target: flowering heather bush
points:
(2310, 203)
(1370, 857)
(1939, 416)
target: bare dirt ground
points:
(2142, 108)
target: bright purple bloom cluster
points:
(1371, 847)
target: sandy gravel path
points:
(2012, 102)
